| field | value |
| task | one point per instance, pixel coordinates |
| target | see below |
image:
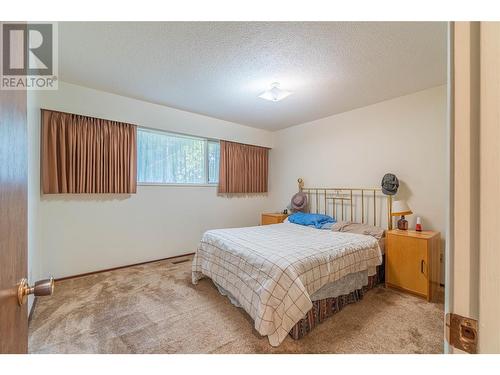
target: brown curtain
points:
(83, 154)
(243, 168)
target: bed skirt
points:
(324, 308)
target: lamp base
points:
(402, 223)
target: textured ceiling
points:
(219, 69)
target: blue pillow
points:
(310, 220)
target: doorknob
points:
(41, 288)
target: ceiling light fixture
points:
(275, 94)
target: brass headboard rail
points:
(346, 196)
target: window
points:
(165, 158)
(213, 162)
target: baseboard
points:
(120, 267)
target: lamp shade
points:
(400, 208)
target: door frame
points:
(472, 260)
(462, 242)
(489, 160)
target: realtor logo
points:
(29, 59)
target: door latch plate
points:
(461, 332)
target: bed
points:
(290, 277)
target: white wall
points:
(84, 233)
(405, 136)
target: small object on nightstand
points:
(418, 226)
(412, 262)
(401, 208)
(403, 223)
(272, 218)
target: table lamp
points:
(401, 208)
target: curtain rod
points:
(79, 114)
(155, 129)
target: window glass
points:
(213, 162)
(165, 158)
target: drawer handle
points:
(422, 264)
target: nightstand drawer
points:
(407, 264)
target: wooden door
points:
(405, 258)
(13, 220)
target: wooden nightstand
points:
(412, 262)
(272, 218)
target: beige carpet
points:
(154, 308)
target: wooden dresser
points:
(271, 218)
(412, 262)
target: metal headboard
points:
(321, 199)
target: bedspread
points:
(273, 270)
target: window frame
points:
(206, 140)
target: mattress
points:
(345, 285)
(273, 271)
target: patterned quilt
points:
(272, 270)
